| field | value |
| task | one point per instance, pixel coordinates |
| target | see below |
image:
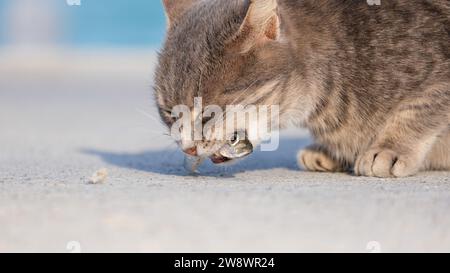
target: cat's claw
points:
(317, 161)
(384, 163)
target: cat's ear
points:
(261, 25)
(176, 8)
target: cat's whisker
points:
(244, 92)
(150, 116)
(219, 121)
(144, 128)
(245, 103)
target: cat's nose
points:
(191, 151)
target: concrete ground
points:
(64, 116)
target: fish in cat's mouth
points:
(236, 148)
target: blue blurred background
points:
(93, 23)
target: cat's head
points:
(221, 53)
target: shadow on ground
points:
(170, 161)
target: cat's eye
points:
(167, 112)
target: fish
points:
(235, 149)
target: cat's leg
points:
(402, 147)
(315, 158)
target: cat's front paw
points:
(317, 161)
(386, 163)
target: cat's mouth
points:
(237, 148)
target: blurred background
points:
(77, 60)
(81, 23)
(79, 36)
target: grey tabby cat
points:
(370, 82)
